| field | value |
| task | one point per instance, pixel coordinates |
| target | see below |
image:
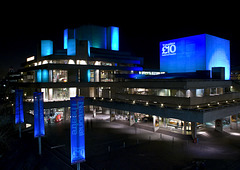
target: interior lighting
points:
(197, 106)
(133, 102)
(146, 103)
(71, 62)
(162, 105)
(209, 105)
(179, 106)
(235, 134)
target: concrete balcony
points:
(183, 101)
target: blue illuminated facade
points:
(46, 48)
(42, 76)
(39, 129)
(113, 38)
(71, 47)
(199, 52)
(19, 116)
(77, 130)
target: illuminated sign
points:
(198, 52)
(77, 131)
(39, 129)
(169, 49)
(19, 117)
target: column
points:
(218, 125)
(185, 126)
(194, 129)
(112, 115)
(131, 118)
(155, 123)
(94, 112)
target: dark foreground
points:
(117, 146)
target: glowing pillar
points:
(113, 38)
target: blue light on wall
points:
(71, 49)
(199, 52)
(114, 38)
(218, 54)
(65, 39)
(77, 130)
(46, 47)
(39, 129)
(44, 75)
(89, 75)
(19, 116)
(39, 76)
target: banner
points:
(77, 131)
(19, 117)
(39, 129)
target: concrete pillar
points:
(164, 122)
(155, 123)
(185, 126)
(94, 112)
(131, 118)
(233, 123)
(105, 110)
(112, 115)
(194, 129)
(218, 125)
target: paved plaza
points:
(116, 145)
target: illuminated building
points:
(199, 52)
(193, 90)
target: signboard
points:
(77, 131)
(39, 129)
(19, 117)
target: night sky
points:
(140, 31)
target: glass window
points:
(199, 92)
(59, 76)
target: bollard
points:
(149, 138)
(124, 145)
(137, 141)
(109, 149)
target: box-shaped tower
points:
(198, 52)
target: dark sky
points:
(140, 31)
